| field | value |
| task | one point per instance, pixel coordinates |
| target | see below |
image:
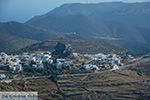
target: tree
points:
(54, 78)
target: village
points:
(59, 58)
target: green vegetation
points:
(60, 92)
(29, 71)
(84, 83)
(2, 87)
(54, 78)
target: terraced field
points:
(119, 85)
(124, 84)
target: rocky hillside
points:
(132, 13)
(10, 44)
(27, 31)
(123, 24)
(78, 46)
(14, 36)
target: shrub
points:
(59, 92)
(54, 78)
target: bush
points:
(31, 70)
(2, 87)
(54, 78)
(85, 83)
(59, 92)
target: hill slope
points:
(11, 44)
(86, 28)
(14, 36)
(133, 13)
(84, 25)
(79, 46)
(27, 31)
(105, 22)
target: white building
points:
(75, 54)
(34, 66)
(91, 67)
(2, 76)
(40, 66)
(12, 68)
(18, 67)
(68, 63)
(90, 57)
(25, 53)
(61, 60)
(114, 67)
(58, 65)
(50, 61)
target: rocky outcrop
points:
(62, 50)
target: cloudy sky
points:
(23, 10)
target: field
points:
(119, 84)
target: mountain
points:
(122, 24)
(84, 25)
(80, 22)
(27, 31)
(10, 44)
(132, 13)
(14, 36)
(78, 46)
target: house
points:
(61, 60)
(18, 67)
(12, 68)
(75, 54)
(15, 67)
(2, 76)
(45, 58)
(50, 61)
(25, 53)
(34, 66)
(91, 67)
(58, 65)
(1, 66)
(40, 66)
(114, 67)
(38, 62)
(117, 61)
(90, 57)
(68, 63)
(4, 55)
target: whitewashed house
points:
(61, 60)
(34, 66)
(25, 53)
(45, 58)
(12, 68)
(117, 61)
(75, 54)
(2, 76)
(114, 67)
(50, 61)
(40, 66)
(68, 63)
(18, 67)
(58, 65)
(90, 57)
(91, 67)
(4, 55)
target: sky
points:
(23, 10)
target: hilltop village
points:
(62, 57)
